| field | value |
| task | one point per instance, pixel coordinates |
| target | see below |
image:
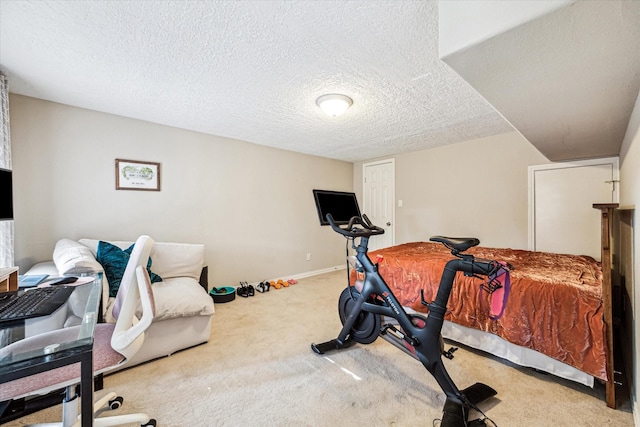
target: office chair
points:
(113, 344)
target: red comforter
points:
(555, 305)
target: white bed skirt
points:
(521, 356)
(497, 346)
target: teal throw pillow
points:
(114, 261)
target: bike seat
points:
(459, 244)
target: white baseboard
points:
(309, 273)
(636, 413)
(317, 272)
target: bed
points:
(557, 319)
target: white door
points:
(561, 214)
(378, 200)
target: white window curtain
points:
(6, 227)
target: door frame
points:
(393, 191)
(565, 165)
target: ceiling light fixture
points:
(334, 104)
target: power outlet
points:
(309, 256)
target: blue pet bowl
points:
(222, 295)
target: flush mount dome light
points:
(334, 104)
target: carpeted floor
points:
(258, 370)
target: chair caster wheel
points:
(150, 423)
(116, 403)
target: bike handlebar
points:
(352, 229)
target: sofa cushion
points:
(181, 297)
(114, 261)
(44, 267)
(178, 259)
(175, 297)
(71, 257)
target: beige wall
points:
(251, 205)
(630, 197)
(475, 188)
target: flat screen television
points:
(341, 205)
(6, 195)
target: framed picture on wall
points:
(137, 175)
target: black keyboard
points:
(33, 303)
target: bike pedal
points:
(449, 353)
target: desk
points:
(8, 279)
(20, 365)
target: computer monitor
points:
(341, 205)
(6, 195)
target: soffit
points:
(567, 81)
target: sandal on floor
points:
(263, 286)
(283, 283)
(242, 290)
(275, 284)
(250, 289)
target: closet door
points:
(561, 198)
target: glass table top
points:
(69, 329)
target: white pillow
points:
(175, 297)
(177, 260)
(181, 297)
(71, 257)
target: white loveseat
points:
(183, 306)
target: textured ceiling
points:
(251, 70)
(567, 80)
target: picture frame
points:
(137, 175)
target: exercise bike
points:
(363, 306)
